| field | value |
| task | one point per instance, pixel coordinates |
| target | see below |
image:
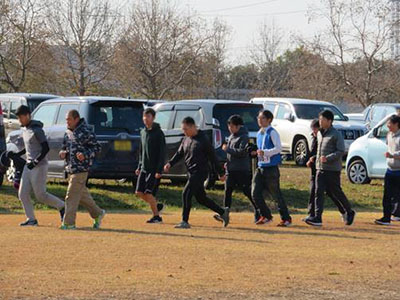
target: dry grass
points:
(128, 259)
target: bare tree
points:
(160, 48)
(356, 45)
(21, 39)
(265, 55)
(84, 32)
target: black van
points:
(116, 122)
(2, 142)
(211, 116)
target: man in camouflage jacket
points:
(79, 150)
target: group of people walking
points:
(80, 147)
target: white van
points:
(293, 117)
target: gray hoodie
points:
(33, 136)
(330, 145)
(393, 142)
(237, 155)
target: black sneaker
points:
(314, 221)
(160, 207)
(382, 221)
(257, 216)
(29, 223)
(225, 217)
(218, 218)
(155, 220)
(62, 213)
(350, 218)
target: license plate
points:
(122, 145)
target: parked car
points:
(211, 116)
(374, 113)
(2, 143)
(366, 159)
(11, 101)
(292, 119)
(116, 122)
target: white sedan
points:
(366, 158)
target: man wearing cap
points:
(34, 175)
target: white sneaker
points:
(99, 219)
(395, 219)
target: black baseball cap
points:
(23, 110)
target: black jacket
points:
(198, 152)
(237, 155)
(152, 149)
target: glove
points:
(10, 154)
(30, 165)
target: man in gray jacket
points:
(34, 175)
(328, 160)
(392, 176)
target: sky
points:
(244, 17)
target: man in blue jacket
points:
(267, 174)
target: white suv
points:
(293, 117)
(366, 159)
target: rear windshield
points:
(249, 113)
(311, 111)
(114, 117)
(34, 103)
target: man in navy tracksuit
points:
(267, 174)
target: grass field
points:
(128, 259)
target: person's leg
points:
(73, 197)
(187, 195)
(258, 185)
(201, 196)
(87, 201)
(229, 186)
(147, 189)
(311, 201)
(320, 187)
(396, 198)
(388, 193)
(24, 194)
(272, 176)
(38, 180)
(334, 188)
(336, 202)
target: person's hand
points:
(309, 163)
(167, 167)
(158, 175)
(260, 152)
(80, 156)
(324, 159)
(224, 147)
(253, 153)
(222, 178)
(137, 172)
(63, 154)
(30, 165)
(312, 159)
(388, 155)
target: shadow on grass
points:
(168, 234)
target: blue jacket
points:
(264, 142)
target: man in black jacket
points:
(237, 168)
(151, 163)
(197, 151)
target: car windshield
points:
(311, 111)
(249, 113)
(113, 117)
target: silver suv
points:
(292, 119)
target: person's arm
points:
(178, 155)
(212, 157)
(161, 157)
(41, 137)
(276, 140)
(91, 145)
(241, 151)
(139, 167)
(340, 149)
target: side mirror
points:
(346, 118)
(288, 117)
(375, 132)
(215, 122)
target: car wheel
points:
(301, 152)
(10, 174)
(357, 172)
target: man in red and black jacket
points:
(198, 152)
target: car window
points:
(311, 111)
(270, 107)
(249, 114)
(116, 117)
(282, 111)
(378, 113)
(383, 131)
(46, 114)
(163, 118)
(64, 108)
(14, 104)
(181, 114)
(5, 107)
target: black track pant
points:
(195, 187)
(391, 196)
(241, 180)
